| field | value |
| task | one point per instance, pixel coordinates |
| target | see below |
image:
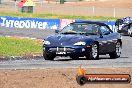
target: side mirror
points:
(57, 31)
(101, 36)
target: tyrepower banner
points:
(37, 23)
(41, 23)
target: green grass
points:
(54, 16)
(19, 47)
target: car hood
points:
(68, 39)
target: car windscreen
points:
(80, 29)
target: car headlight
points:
(46, 42)
(79, 43)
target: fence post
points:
(93, 10)
(41, 2)
(52, 11)
(73, 12)
(114, 14)
(15, 4)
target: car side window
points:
(92, 29)
(104, 30)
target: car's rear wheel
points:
(94, 54)
(48, 56)
(117, 52)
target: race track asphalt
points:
(64, 62)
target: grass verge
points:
(19, 47)
(54, 16)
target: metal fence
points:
(66, 9)
(86, 11)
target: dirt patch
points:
(106, 3)
(84, 8)
(55, 78)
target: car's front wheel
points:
(130, 32)
(94, 54)
(131, 35)
(48, 56)
(117, 52)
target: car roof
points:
(92, 22)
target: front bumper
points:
(67, 51)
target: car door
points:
(106, 40)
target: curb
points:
(24, 57)
(19, 37)
(30, 57)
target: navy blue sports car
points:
(83, 39)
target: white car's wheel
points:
(130, 32)
(131, 35)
